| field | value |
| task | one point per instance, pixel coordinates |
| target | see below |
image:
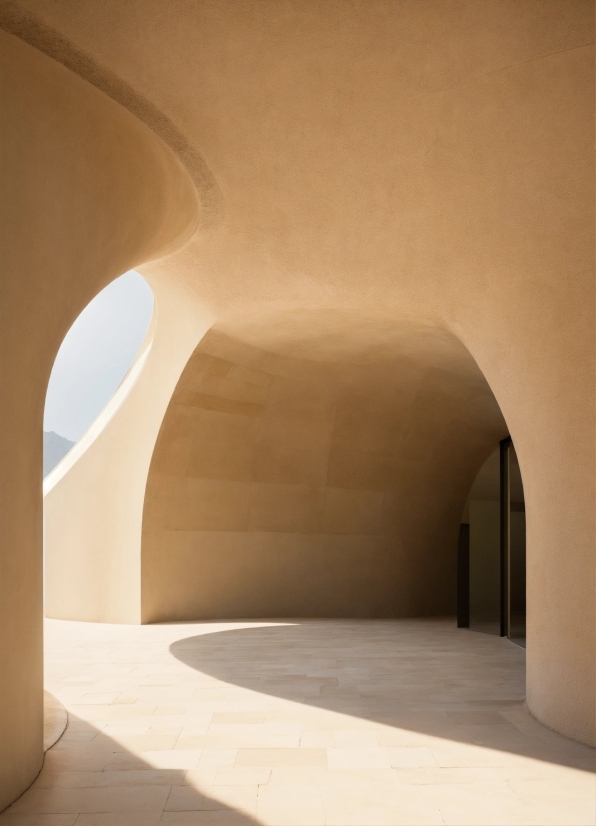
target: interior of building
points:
(362, 416)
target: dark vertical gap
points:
(505, 532)
(463, 577)
(517, 553)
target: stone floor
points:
(306, 722)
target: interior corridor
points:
(407, 721)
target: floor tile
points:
(359, 758)
(374, 807)
(11, 818)
(342, 722)
(281, 757)
(290, 806)
(119, 819)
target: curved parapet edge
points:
(29, 28)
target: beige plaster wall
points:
(87, 193)
(93, 500)
(282, 485)
(434, 160)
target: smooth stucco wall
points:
(284, 486)
(94, 507)
(433, 160)
(88, 192)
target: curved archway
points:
(458, 188)
(315, 463)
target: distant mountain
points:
(55, 448)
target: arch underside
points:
(314, 463)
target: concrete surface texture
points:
(300, 723)
(360, 191)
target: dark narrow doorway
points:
(491, 569)
(515, 552)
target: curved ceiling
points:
(314, 464)
(377, 152)
(348, 335)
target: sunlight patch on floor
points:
(301, 722)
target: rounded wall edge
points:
(544, 383)
(574, 731)
(99, 193)
(93, 512)
(32, 30)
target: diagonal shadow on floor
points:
(333, 721)
(90, 779)
(418, 679)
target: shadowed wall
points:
(287, 486)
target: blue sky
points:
(96, 354)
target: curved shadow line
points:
(219, 654)
(31, 30)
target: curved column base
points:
(55, 720)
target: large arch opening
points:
(315, 463)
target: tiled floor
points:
(316, 722)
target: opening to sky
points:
(95, 356)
